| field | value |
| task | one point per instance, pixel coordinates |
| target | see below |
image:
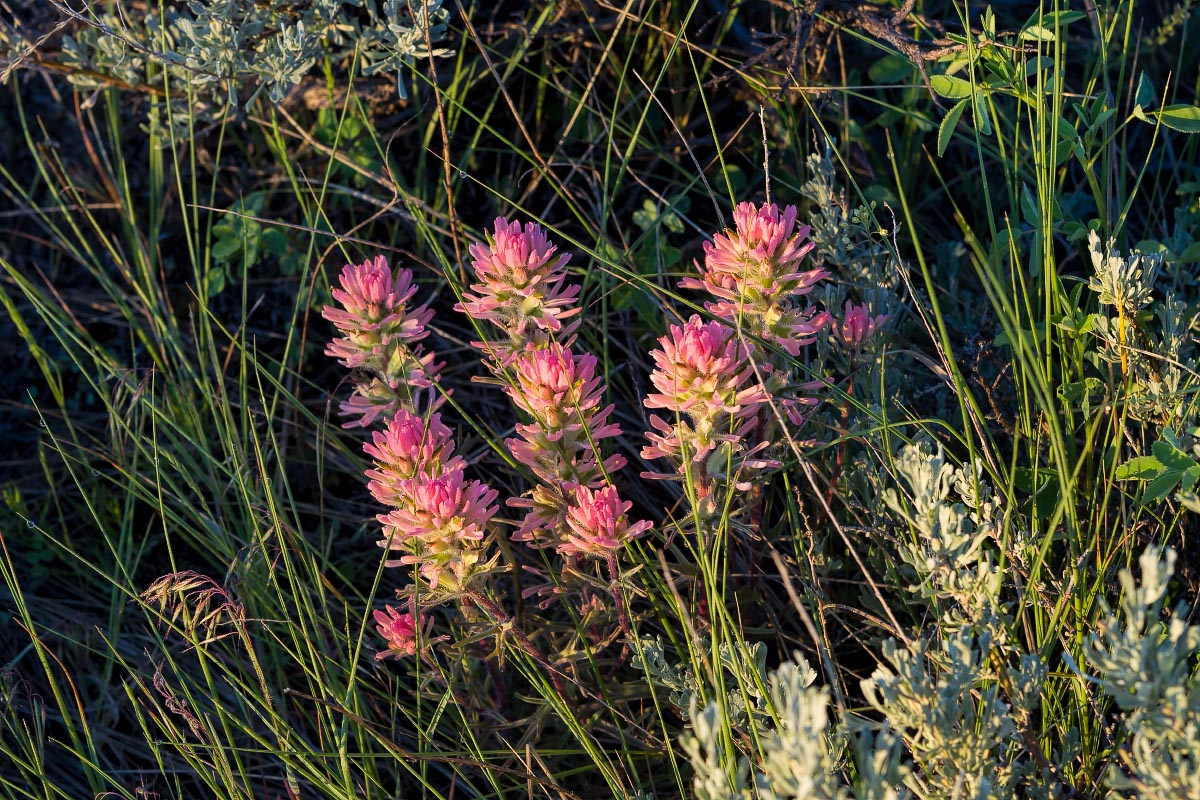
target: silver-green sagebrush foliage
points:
(224, 53)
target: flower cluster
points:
(404, 634)
(438, 519)
(380, 330)
(599, 524)
(755, 273)
(522, 288)
(561, 392)
(704, 373)
(858, 326)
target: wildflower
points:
(374, 318)
(857, 326)
(755, 273)
(545, 524)
(402, 632)
(441, 524)
(598, 523)
(704, 372)
(521, 286)
(559, 389)
(380, 336)
(411, 447)
(562, 394)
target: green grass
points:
(189, 554)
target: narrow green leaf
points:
(1145, 91)
(983, 121)
(1029, 206)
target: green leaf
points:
(644, 217)
(1145, 91)
(1035, 65)
(1183, 117)
(1029, 207)
(1160, 487)
(949, 87)
(1037, 33)
(214, 281)
(983, 121)
(1189, 478)
(890, 69)
(274, 241)
(946, 129)
(1066, 131)
(1190, 253)
(1046, 499)
(1061, 18)
(226, 247)
(1171, 458)
(1141, 468)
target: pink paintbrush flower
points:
(375, 317)
(755, 273)
(562, 393)
(381, 332)
(599, 525)
(702, 368)
(441, 526)
(404, 633)
(521, 286)
(409, 448)
(858, 326)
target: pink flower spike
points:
(858, 325)
(404, 633)
(521, 283)
(598, 523)
(442, 525)
(374, 317)
(410, 447)
(702, 370)
(756, 274)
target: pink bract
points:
(410, 447)
(857, 326)
(400, 631)
(441, 525)
(702, 369)
(598, 523)
(755, 273)
(374, 317)
(522, 285)
(556, 387)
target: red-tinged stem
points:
(618, 593)
(520, 637)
